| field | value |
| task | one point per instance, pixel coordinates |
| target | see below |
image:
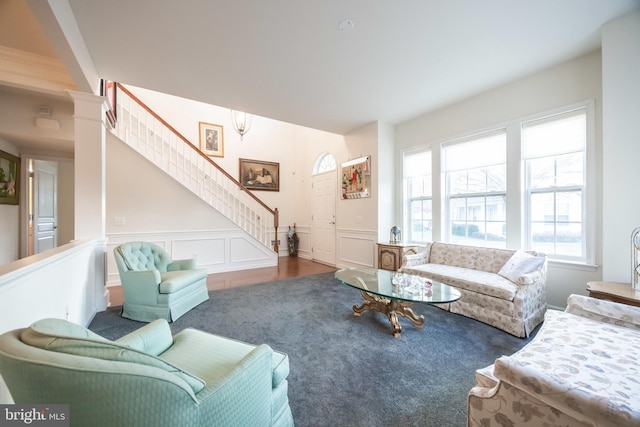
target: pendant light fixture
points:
(241, 122)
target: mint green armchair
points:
(146, 378)
(156, 287)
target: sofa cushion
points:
(466, 278)
(173, 281)
(478, 258)
(582, 367)
(520, 264)
(65, 337)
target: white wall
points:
(9, 220)
(566, 84)
(64, 283)
(621, 143)
(357, 219)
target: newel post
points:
(275, 225)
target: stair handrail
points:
(273, 211)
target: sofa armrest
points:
(153, 338)
(182, 264)
(415, 259)
(604, 311)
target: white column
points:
(90, 183)
(620, 147)
(90, 135)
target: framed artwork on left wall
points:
(9, 179)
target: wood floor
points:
(288, 267)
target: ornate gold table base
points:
(392, 308)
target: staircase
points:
(147, 133)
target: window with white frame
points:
(554, 153)
(475, 194)
(325, 162)
(418, 191)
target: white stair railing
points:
(147, 133)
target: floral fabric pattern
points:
(516, 308)
(577, 371)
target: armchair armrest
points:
(140, 286)
(245, 385)
(153, 338)
(604, 311)
(182, 264)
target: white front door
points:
(45, 181)
(323, 223)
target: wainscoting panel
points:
(304, 241)
(216, 250)
(205, 251)
(356, 248)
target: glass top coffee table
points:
(392, 293)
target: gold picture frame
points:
(9, 179)
(212, 139)
(259, 175)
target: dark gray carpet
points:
(347, 370)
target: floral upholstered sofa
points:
(581, 369)
(503, 288)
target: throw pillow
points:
(519, 264)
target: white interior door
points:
(323, 223)
(45, 181)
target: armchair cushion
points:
(173, 281)
(61, 336)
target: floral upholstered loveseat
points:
(503, 288)
(581, 369)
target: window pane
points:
(569, 207)
(497, 178)
(457, 182)
(496, 208)
(477, 181)
(421, 215)
(570, 169)
(542, 172)
(542, 207)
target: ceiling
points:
(290, 60)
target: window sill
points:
(572, 265)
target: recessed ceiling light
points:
(346, 25)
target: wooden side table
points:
(390, 254)
(614, 291)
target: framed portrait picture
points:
(108, 90)
(259, 175)
(9, 179)
(211, 139)
(356, 178)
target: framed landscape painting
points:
(259, 175)
(211, 139)
(9, 179)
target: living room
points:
(605, 76)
